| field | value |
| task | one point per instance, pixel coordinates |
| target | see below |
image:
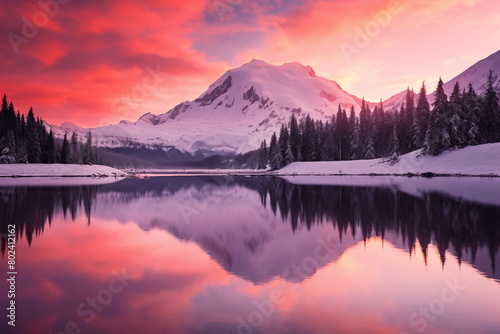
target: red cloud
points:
(90, 54)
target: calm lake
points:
(234, 254)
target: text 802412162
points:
(11, 274)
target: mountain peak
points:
(70, 126)
(148, 118)
(257, 64)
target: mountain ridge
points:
(247, 104)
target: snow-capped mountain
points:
(247, 104)
(239, 110)
(477, 75)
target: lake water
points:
(206, 254)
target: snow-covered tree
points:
(275, 153)
(284, 139)
(394, 142)
(456, 129)
(263, 156)
(471, 110)
(438, 138)
(8, 149)
(21, 152)
(288, 155)
(369, 148)
(490, 118)
(354, 144)
(421, 119)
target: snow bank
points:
(53, 170)
(56, 181)
(482, 160)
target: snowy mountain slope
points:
(394, 102)
(239, 110)
(477, 75)
(246, 105)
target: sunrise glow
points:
(77, 61)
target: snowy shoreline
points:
(58, 170)
(473, 161)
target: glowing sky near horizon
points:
(89, 58)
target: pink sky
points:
(88, 62)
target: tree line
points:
(26, 140)
(464, 119)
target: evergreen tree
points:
(354, 145)
(33, 140)
(288, 154)
(308, 142)
(57, 154)
(369, 148)
(399, 121)
(3, 117)
(295, 139)
(8, 152)
(284, 140)
(22, 126)
(490, 118)
(365, 123)
(456, 129)
(438, 138)
(328, 149)
(65, 150)
(88, 156)
(276, 156)
(352, 119)
(380, 135)
(21, 151)
(319, 140)
(394, 143)
(49, 149)
(76, 157)
(421, 119)
(471, 109)
(263, 156)
(18, 126)
(407, 121)
(11, 121)
(342, 134)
